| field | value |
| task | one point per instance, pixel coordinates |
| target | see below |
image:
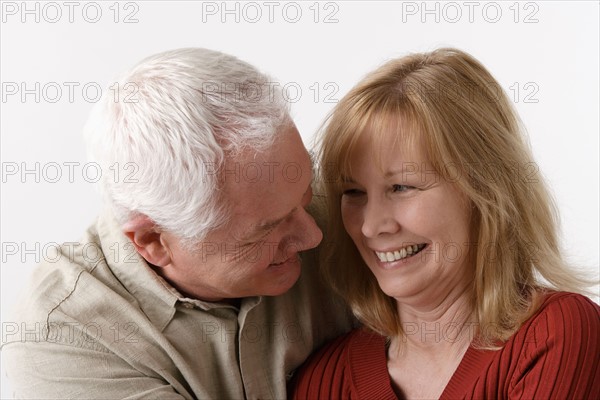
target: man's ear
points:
(147, 239)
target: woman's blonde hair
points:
(450, 103)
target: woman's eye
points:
(352, 192)
(402, 188)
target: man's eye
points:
(243, 245)
(402, 188)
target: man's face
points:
(256, 253)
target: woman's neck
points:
(448, 324)
(422, 362)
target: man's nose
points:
(308, 235)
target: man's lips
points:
(293, 258)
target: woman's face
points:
(410, 226)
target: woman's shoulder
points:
(568, 307)
(554, 353)
(563, 321)
(340, 350)
(330, 371)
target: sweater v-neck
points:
(470, 367)
(552, 355)
(368, 363)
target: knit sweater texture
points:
(554, 355)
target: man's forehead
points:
(264, 187)
(261, 176)
(286, 162)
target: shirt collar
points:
(155, 296)
(134, 273)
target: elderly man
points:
(190, 285)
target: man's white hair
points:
(162, 135)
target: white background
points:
(545, 55)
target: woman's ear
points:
(147, 239)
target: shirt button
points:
(188, 305)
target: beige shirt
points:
(99, 323)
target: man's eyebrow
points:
(269, 224)
(265, 226)
(261, 228)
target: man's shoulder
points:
(56, 277)
(65, 289)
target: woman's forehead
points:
(385, 137)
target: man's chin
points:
(283, 276)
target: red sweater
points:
(554, 355)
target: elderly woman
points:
(446, 247)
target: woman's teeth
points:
(389, 256)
